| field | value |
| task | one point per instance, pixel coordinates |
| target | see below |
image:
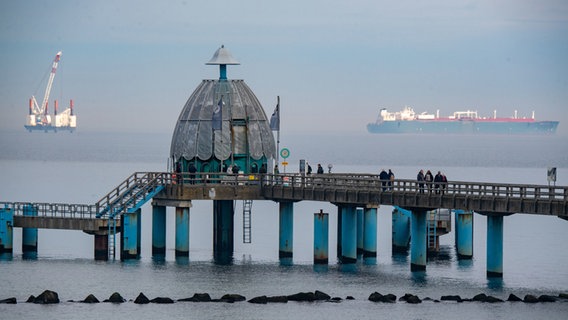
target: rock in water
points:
(141, 299)
(91, 299)
(47, 297)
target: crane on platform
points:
(38, 114)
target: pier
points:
(356, 196)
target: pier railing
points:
(53, 210)
(139, 187)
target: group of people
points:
(386, 179)
(439, 181)
(309, 169)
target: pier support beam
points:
(495, 245)
(418, 246)
(29, 235)
(360, 232)
(130, 241)
(286, 230)
(400, 230)
(321, 238)
(464, 234)
(158, 230)
(101, 246)
(348, 235)
(6, 233)
(223, 231)
(182, 232)
(370, 235)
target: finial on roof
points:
(222, 57)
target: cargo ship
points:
(461, 122)
(39, 118)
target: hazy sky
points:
(131, 65)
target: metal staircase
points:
(128, 197)
(247, 221)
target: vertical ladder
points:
(247, 221)
(432, 225)
(111, 238)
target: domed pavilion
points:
(222, 125)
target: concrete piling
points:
(158, 230)
(418, 245)
(360, 232)
(182, 232)
(400, 230)
(6, 232)
(464, 234)
(101, 246)
(286, 230)
(348, 235)
(370, 236)
(223, 231)
(321, 238)
(29, 235)
(130, 241)
(495, 245)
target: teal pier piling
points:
(158, 231)
(29, 235)
(6, 233)
(370, 236)
(360, 232)
(321, 238)
(348, 235)
(464, 234)
(182, 232)
(418, 245)
(495, 246)
(130, 241)
(223, 231)
(400, 230)
(286, 230)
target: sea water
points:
(83, 166)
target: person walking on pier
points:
(420, 178)
(429, 178)
(437, 181)
(309, 168)
(383, 176)
(391, 179)
(320, 169)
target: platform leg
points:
(495, 246)
(400, 230)
(158, 231)
(418, 244)
(370, 236)
(129, 244)
(223, 231)
(286, 230)
(464, 234)
(29, 235)
(182, 232)
(6, 232)
(321, 238)
(348, 235)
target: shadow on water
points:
(465, 264)
(400, 259)
(287, 262)
(348, 268)
(29, 255)
(495, 283)
(6, 256)
(419, 278)
(321, 268)
(223, 258)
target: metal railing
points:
(53, 210)
(373, 183)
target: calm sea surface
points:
(83, 166)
